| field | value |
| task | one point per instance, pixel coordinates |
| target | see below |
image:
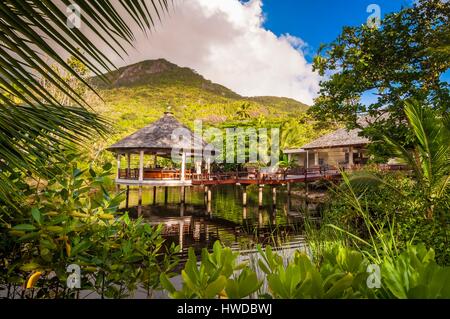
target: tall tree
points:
(404, 58)
(34, 124)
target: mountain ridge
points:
(161, 71)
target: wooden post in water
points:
(154, 195)
(181, 234)
(209, 200)
(182, 208)
(274, 196)
(140, 196)
(289, 188)
(260, 195)
(209, 195)
(205, 199)
(306, 191)
(166, 194)
(260, 217)
(182, 194)
(244, 196)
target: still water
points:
(280, 223)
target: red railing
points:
(133, 174)
(281, 175)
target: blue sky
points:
(321, 21)
(224, 41)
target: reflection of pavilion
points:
(189, 226)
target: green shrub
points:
(74, 220)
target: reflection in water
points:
(198, 222)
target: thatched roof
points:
(157, 137)
(339, 138)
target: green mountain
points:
(138, 94)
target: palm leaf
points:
(34, 124)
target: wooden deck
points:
(229, 178)
(173, 177)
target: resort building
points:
(341, 148)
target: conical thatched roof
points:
(339, 138)
(158, 137)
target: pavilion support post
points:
(350, 157)
(208, 167)
(244, 213)
(141, 166)
(244, 195)
(154, 195)
(260, 196)
(307, 159)
(166, 194)
(118, 165)
(155, 161)
(183, 166)
(316, 158)
(306, 196)
(128, 165)
(127, 199)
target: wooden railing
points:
(162, 174)
(261, 177)
(281, 175)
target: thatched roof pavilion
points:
(157, 138)
(166, 137)
(339, 138)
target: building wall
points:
(333, 156)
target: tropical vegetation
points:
(382, 235)
(405, 57)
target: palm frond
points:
(34, 36)
(367, 180)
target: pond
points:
(240, 227)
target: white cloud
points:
(224, 40)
